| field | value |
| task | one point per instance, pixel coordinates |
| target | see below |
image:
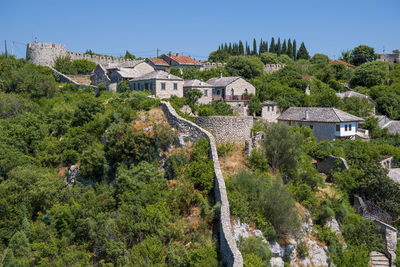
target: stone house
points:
(161, 83)
(178, 61)
(348, 94)
(392, 58)
(158, 63)
(117, 72)
(326, 123)
(270, 111)
(234, 91)
(204, 87)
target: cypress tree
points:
(219, 47)
(261, 47)
(290, 49)
(294, 50)
(284, 48)
(248, 52)
(230, 49)
(278, 47)
(241, 48)
(226, 47)
(303, 53)
(235, 49)
(254, 47)
(266, 46)
(272, 46)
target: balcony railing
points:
(231, 98)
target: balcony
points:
(231, 98)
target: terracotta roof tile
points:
(158, 61)
(185, 60)
(341, 61)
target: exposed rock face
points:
(334, 226)
(277, 262)
(73, 174)
(317, 255)
(240, 230)
(186, 109)
(276, 249)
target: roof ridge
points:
(334, 110)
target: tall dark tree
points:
(303, 53)
(266, 46)
(294, 50)
(226, 47)
(230, 49)
(272, 46)
(261, 47)
(278, 47)
(290, 49)
(254, 52)
(284, 48)
(248, 52)
(241, 48)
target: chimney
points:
(170, 53)
(169, 75)
(306, 115)
(220, 74)
(177, 54)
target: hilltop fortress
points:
(45, 54)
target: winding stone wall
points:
(231, 255)
(227, 128)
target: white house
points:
(326, 123)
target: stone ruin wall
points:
(227, 128)
(231, 255)
(270, 68)
(45, 53)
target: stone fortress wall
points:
(227, 128)
(45, 53)
(393, 58)
(231, 255)
(270, 68)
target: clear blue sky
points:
(198, 27)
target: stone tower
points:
(44, 53)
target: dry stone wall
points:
(227, 128)
(231, 255)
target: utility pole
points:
(5, 46)
(12, 48)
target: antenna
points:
(383, 49)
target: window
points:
(337, 128)
(205, 92)
(246, 91)
(311, 126)
(272, 108)
(146, 86)
(175, 86)
(267, 108)
(232, 91)
(162, 86)
(349, 127)
(218, 92)
(345, 127)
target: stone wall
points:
(270, 68)
(393, 58)
(45, 54)
(227, 128)
(231, 255)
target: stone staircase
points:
(378, 259)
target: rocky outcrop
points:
(330, 163)
(231, 255)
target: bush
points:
(83, 66)
(64, 65)
(225, 149)
(302, 249)
(257, 161)
(255, 246)
(69, 157)
(204, 256)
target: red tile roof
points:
(158, 61)
(185, 60)
(306, 78)
(341, 61)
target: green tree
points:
(278, 48)
(290, 49)
(370, 74)
(282, 146)
(129, 55)
(83, 66)
(284, 48)
(272, 46)
(241, 49)
(302, 53)
(123, 86)
(269, 58)
(362, 54)
(255, 105)
(320, 59)
(219, 56)
(93, 163)
(246, 67)
(255, 246)
(254, 51)
(192, 97)
(248, 52)
(64, 65)
(346, 56)
(294, 49)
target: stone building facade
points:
(161, 83)
(392, 58)
(203, 87)
(227, 128)
(270, 68)
(270, 111)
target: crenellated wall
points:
(231, 255)
(45, 54)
